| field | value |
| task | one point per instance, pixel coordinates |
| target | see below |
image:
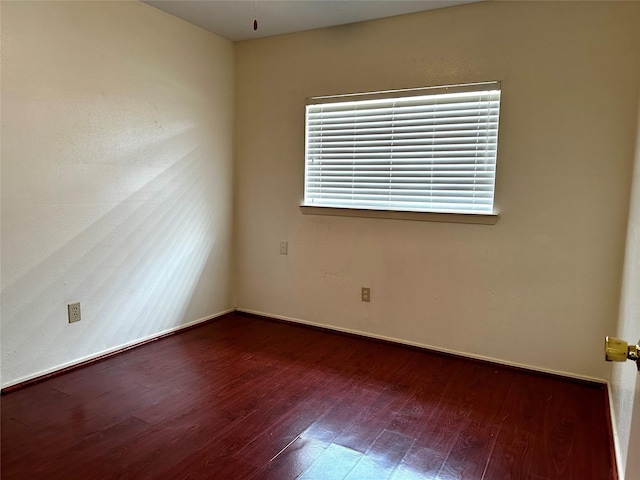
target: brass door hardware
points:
(616, 350)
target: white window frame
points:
(427, 153)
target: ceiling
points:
(233, 19)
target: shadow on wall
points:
(135, 270)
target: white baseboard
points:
(114, 349)
(315, 324)
(425, 346)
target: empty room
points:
(320, 239)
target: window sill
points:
(478, 218)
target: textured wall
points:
(117, 128)
(539, 288)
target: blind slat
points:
(434, 152)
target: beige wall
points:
(117, 129)
(541, 287)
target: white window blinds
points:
(426, 150)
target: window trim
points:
(485, 218)
(475, 218)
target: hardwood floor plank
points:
(285, 430)
(14, 439)
(364, 429)
(293, 460)
(510, 459)
(334, 463)
(572, 430)
(249, 399)
(331, 424)
(89, 450)
(421, 462)
(470, 453)
(598, 438)
(382, 459)
(162, 450)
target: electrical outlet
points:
(284, 247)
(366, 294)
(73, 309)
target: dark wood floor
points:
(245, 398)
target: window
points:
(418, 150)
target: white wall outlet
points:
(73, 310)
(284, 247)
(366, 294)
